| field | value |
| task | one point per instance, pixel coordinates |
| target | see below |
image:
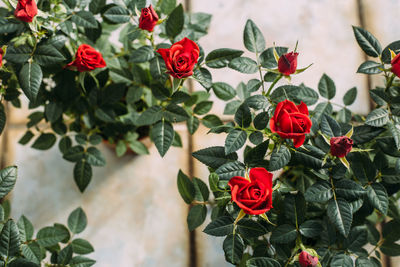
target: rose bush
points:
(336, 173)
(84, 89)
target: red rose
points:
(291, 121)
(396, 65)
(1, 56)
(26, 10)
(180, 58)
(287, 63)
(254, 196)
(341, 146)
(306, 260)
(148, 19)
(87, 59)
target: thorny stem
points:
(273, 84)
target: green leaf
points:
(284, 234)
(138, 147)
(311, 228)
(349, 189)
(250, 228)
(230, 169)
(330, 127)
(80, 261)
(231, 107)
(20, 262)
(81, 246)
(261, 121)
(94, 157)
(243, 116)
(377, 118)
(344, 115)
(221, 226)
(362, 167)
(320, 191)
(65, 255)
(175, 22)
(8, 177)
(117, 14)
(203, 76)
(223, 91)
(30, 79)
(262, 262)
(32, 252)
(192, 124)
(386, 55)
(340, 214)
(321, 109)
(368, 43)
(9, 240)
(307, 95)
(175, 113)
(233, 247)
(390, 231)
(142, 54)
(203, 107)
(162, 134)
(243, 65)
(379, 96)
(25, 228)
(253, 38)
(197, 215)
(221, 57)
(235, 140)
(47, 55)
(394, 130)
(326, 87)
(2, 118)
(341, 260)
(82, 174)
(84, 19)
(201, 190)
(96, 6)
(211, 121)
(77, 221)
(214, 156)
(357, 239)
(185, 187)
(378, 197)
(257, 102)
(350, 96)
(390, 249)
(167, 6)
(19, 54)
(53, 111)
(267, 57)
(280, 157)
(364, 133)
(44, 141)
(370, 67)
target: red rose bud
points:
(148, 19)
(396, 65)
(306, 260)
(87, 59)
(26, 10)
(287, 63)
(1, 56)
(180, 58)
(341, 146)
(291, 121)
(255, 196)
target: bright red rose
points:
(148, 19)
(306, 260)
(87, 59)
(396, 65)
(341, 146)
(287, 63)
(26, 10)
(180, 58)
(255, 196)
(1, 56)
(291, 121)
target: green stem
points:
(273, 84)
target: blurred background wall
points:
(136, 216)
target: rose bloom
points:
(255, 196)
(87, 59)
(1, 56)
(180, 58)
(291, 121)
(306, 260)
(148, 19)
(287, 63)
(396, 65)
(26, 10)
(341, 146)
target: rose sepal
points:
(239, 217)
(265, 217)
(303, 69)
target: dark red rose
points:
(148, 19)
(291, 121)
(26, 10)
(341, 146)
(287, 63)
(87, 59)
(180, 58)
(254, 196)
(396, 65)
(306, 260)
(1, 56)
